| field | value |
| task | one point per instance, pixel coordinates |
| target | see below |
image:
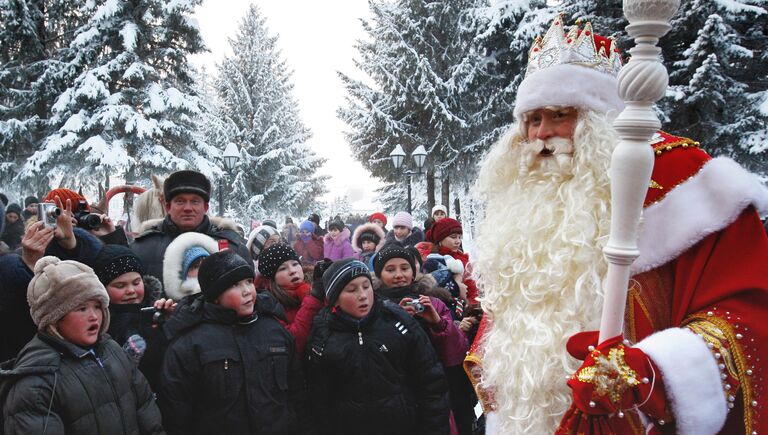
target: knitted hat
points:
(370, 236)
(220, 271)
(272, 257)
(402, 219)
(443, 262)
(379, 216)
(186, 182)
(389, 251)
(13, 208)
(314, 217)
(66, 194)
(115, 260)
(190, 256)
(307, 226)
(442, 229)
(270, 223)
(258, 237)
(339, 225)
(59, 287)
(339, 274)
(30, 200)
(439, 207)
(571, 67)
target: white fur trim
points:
(691, 378)
(569, 86)
(174, 258)
(706, 203)
(368, 227)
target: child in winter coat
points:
(403, 230)
(71, 378)
(280, 266)
(371, 369)
(379, 219)
(261, 238)
(181, 260)
(445, 237)
(337, 245)
(236, 371)
(366, 241)
(448, 272)
(309, 246)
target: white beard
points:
(540, 262)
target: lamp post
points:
(231, 156)
(419, 156)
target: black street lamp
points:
(419, 156)
(231, 156)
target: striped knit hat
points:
(339, 274)
(258, 238)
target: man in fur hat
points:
(694, 324)
(186, 195)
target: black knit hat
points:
(186, 182)
(220, 271)
(389, 251)
(30, 200)
(369, 236)
(339, 274)
(271, 258)
(13, 208)
(339, 225)
(314, 217)
(115, 260)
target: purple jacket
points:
(449, 342)
(339, 248)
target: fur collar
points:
(340, 239)
(368, 228)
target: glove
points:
(318, 290)
(614, 378)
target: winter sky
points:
(317, 39)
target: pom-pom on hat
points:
(220, 271)
(389, 251)
(379, 216)
(573, 68)
(272, 257)
(339, 274)
(442, 229)
(59, 287)
(64, 195)
(403, 219)
(186, 182)
(259, 237)
(115, 260)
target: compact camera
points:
(85, 219)
(47, 213)
(416, 305)
(151, 316)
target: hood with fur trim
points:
(368, 228)
(174, 285)
(340, 239)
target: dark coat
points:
(224, 376)
(375, 376)
(415, 237)
(150, 245)
(13, 233)
(99, 392)
(16, 326)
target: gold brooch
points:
(610, 374)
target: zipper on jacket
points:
(359, 336)
(226, 364)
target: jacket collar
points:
(169, 227)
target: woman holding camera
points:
(371, 369)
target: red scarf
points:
(298, 291)
(461, 256)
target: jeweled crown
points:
(577, 46)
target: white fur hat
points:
(439, 207)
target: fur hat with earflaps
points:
(59, 287)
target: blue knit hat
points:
(190, 255)
(307, 226)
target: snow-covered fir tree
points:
(126, 108)
(716, 53)
(277, 169)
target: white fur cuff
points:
(691, 378)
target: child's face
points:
(305, 233)
(356, 298)
(368, 246)
(271, 241)
(438, 215)
(193, 271)
(127, 288)
(289, 274)
(452, 242)
(401, 232)
(334, 232)
(81, 326)
(379, 222)
(397, 272)
(241, 297)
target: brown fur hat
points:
(59, 287)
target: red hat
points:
(379, 216)
(442, 229)
(64, 195)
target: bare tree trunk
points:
(430, 190)
(457, 208)
(446, 195)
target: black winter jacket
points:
(91, 395)
(379, 375)
(150, 245)
(230, 377)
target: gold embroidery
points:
(610, 374)
(669, 146)
(720, 333)
(655, 185)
